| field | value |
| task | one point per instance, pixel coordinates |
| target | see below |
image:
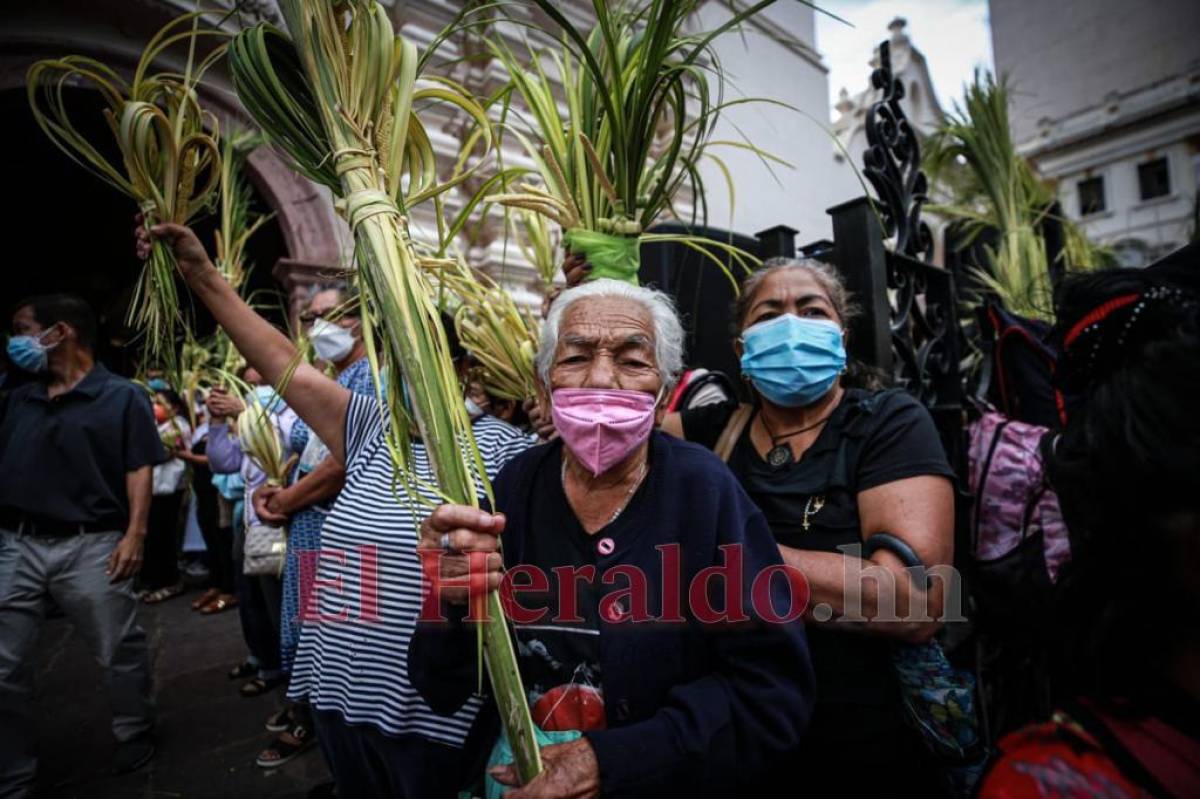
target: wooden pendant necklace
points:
(780, 453)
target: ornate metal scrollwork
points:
(923, 324)
(892, 163)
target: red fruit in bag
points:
(570, 707)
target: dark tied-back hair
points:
(50, 309)
(178, 406)
(1127, 471)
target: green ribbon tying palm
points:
(610, 256)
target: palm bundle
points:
(169, 161)
(197, 371)
(640, 113)
(238, 222)
(501, 336)
(1001, 191)
(538, 243)
(260, 440)
(338, 97)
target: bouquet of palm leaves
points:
(238, 221)
(500, 335)
(169, 160)
(999, 189)
(606, 171)
(538, 242)
(338, 94)
(260, 440)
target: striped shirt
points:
(353, 659)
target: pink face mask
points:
(602, 426)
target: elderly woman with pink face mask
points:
(654, 619)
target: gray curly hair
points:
(668, 332)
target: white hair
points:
(668, 332)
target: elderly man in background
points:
(672, 697)
(77, 446)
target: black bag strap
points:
(984, 471)
(901, 549)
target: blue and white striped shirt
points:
(354, 659)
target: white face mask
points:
(473, 409)
(332, 342)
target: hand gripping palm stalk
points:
(607, 174)
(169, 163)
(339, 98)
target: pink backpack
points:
(1019, 542)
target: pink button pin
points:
(605, 546)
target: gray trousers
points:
(71, 570)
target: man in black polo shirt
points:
(76, 450)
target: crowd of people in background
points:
(622, 457)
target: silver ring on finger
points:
(446, 546)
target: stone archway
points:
(114, 31)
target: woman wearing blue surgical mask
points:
(830, 466)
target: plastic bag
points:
(502, 754)
(610, 256)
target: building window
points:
(1091, 195)
(1154, 179)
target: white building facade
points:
(1106, 99)
(920, 103)
(774, 56)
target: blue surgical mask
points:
(158, 384)
(793, 361)
(268, 398)
(29, 353)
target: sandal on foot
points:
(208, 596)
(242, 670)
(280, 720)
(219, 605)
(281, 751)
(163, 594)
(258, 686)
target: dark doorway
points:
(68, 231)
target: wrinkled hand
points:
(126, 560)
(541, 421)
(221, 403)
(575, 268)
(569, 771)
(263, 505)
(468, 530)
(190, 256)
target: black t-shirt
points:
(66, 458)
(871, 439)
(560, 658)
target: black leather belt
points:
(45, 527)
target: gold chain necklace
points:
(628, 495)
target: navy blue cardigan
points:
(692, 708)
